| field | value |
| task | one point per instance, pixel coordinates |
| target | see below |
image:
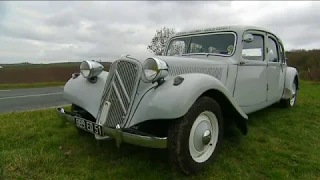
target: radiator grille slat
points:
(121, 89)
(125, 93)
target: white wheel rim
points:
(201, 146)
(293, 91)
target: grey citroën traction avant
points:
(183, 99)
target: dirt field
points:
(39, 73)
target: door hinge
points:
(267, 87)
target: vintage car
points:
(183, 99)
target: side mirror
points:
(248, 38)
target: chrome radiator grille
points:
(120, 92)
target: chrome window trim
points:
(206, 34)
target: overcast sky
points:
(44, 32)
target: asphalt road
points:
(31, 98)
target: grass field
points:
(281, 144)
(29, 65)
(31, 85)
(38, 75)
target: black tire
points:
(178, 137)
(285, 103)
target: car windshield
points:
(216, 44)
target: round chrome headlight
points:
(154, 69)
(90, 69)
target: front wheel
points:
(194, 139)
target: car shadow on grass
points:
(125, 150)
(134, 158)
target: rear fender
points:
(291, 76)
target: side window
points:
(273, 50)
(254, 50)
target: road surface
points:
(31, 98)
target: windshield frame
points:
(204, 34)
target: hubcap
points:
(203, 136)
(293, 98)
(206, 137)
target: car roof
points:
(239, 29)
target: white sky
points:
(44, 32)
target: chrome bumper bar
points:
(119, 135)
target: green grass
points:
(281, 144)
(31, 85)
(27, 65)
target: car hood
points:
(211, 65)
(197, 60)
(193, 61)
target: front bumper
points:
(119, 135)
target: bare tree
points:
(160, 39)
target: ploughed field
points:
(37, 75)
(281, 144)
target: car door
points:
(275, 69)
(251, 82)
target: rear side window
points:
(254, 50)
(273, 50)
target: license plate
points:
(89, 126)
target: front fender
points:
(85, 94)
(291, 74)
(169, 102)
